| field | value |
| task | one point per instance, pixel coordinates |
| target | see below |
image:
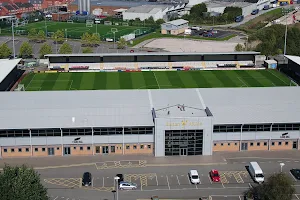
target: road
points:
(168, 182)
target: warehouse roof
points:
(117, 108)
(147, 9)
(7, 66)
(153, 54)
(177, 22)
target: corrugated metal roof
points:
(6, 66)
(177, 22)
(116, 108)
(146, 9)
(295, 59)
(153, 54)
(253, 105)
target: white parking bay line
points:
(209, 179)
(297, 196)
(188, 179)
(178, 180)
(103, 182)
(93, 182)
(168, 181)
(240, 197)
(156, 180)
(293, 176)
(55, 198)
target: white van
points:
(256, 172)
(194, 177)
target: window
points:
(43, 149)
(112, 149)
(20, 150)
(36, 149)
(228, 144)
(127, 147)
(134, 146)
(222, 144)
(81, 148)
(74, 148)
(149, 146)
(251, 144)
(286, 143)
(5, 150)
(27, 149)
(235, 144)
(12, 150)
(57, 148)
(265, 143)
(273, 143)
(141, 146)
(88, 148)
(258, 144)
(279, 143)
(215, 144)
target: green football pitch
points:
(76, 30)
(154, 80)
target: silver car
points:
(127, 186)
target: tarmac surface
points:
(165, 177)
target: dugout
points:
(9, 73)
(150, 57)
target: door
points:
(50, 151)
(67, 150)
(183, 151)
(295, 145)
(104, 149)
(97, 149)
(244, 146)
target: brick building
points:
(15, 8)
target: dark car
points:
(296, 173)
(87, 179)
(121, 177)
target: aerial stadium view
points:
(117, 114)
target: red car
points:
(214, 175)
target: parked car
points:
(154, 198)
(254, 12)
(194, 177)
(87, 179)
(266, 7)
(214, 175)
(239, 18)
(127, 186)
(295, 173)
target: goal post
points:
(70, 21)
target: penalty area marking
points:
(163, 86)
(156, 80)
(243, 82)
(278, 77)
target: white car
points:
(194, 177)
(127, 186)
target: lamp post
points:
(114, 192)
(285, 12)
(13, 37)
(117, 186)
(281, 165)
(46, 27)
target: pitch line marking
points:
(245, 84)
(30, 82)
(156, 80)
(278, 77)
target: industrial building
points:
(156, 11)
(175, 27)
(9, 73)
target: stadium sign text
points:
(77, 140)
(183, 123)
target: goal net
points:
(20, 87)
(107, 23)
(70, 21)
(89, 23)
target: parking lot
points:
(215, 33)
(237, 197)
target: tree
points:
(87, 50)
(86, 39)
(198, 10)
(26, 50)
(122, 43)
(278, 187)
(45, 49)
(239, 47)
(160, 21)
(232, 13)
(32, 34)
(21, 183)
(95, 39)
(65, 48)
(41, 35)
(58, 36)
(5, 51)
